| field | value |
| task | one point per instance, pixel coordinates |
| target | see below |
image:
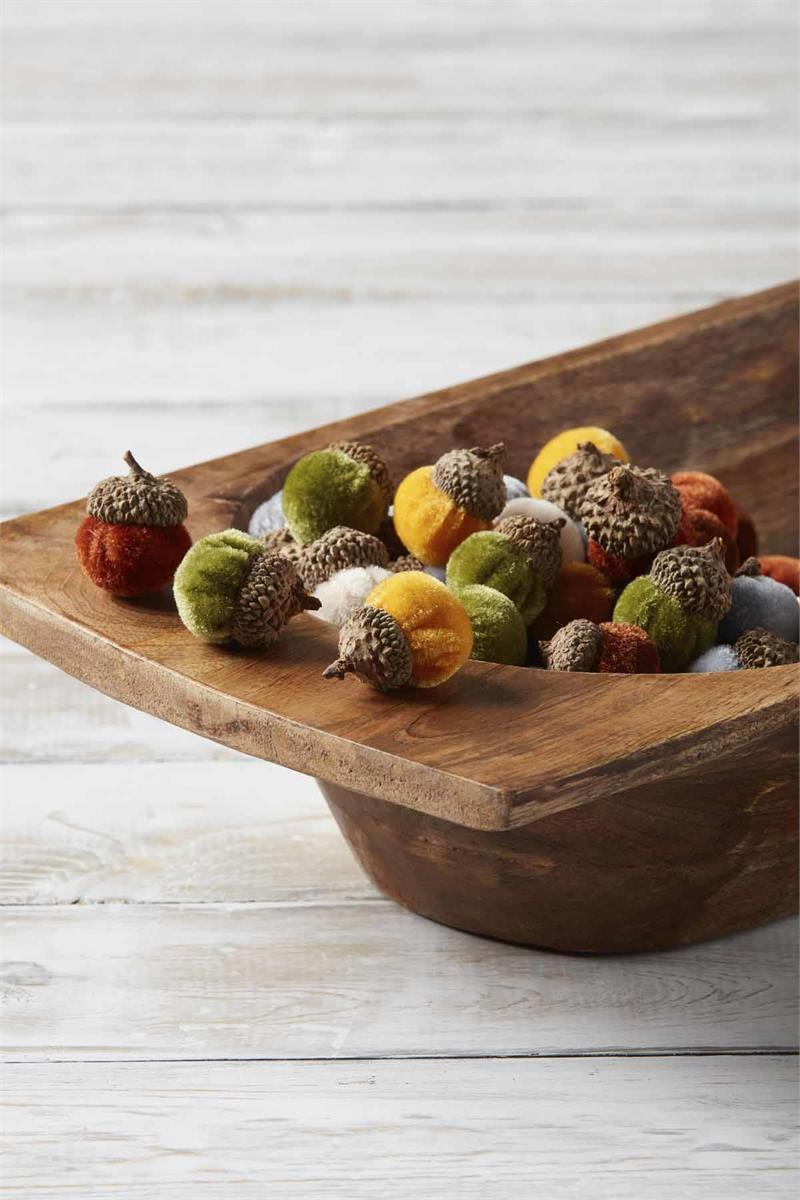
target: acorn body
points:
(498, 631)
(345, 484)
(782, 568)
(679, 636)
(753, 650)
(411, 632)
(346, 592)
(436, 508)
(230, 590)
(757, 601)
(565, 444)
(580, 591)
(699, 490)
(133, 537)
(607, 648)
(492, 559)
(268, 516)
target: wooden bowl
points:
(582, 813)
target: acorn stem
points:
(751, 567)
(135, 467)
(338, 669)
(309, 603)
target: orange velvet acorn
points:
(436, 508)
(133, 538)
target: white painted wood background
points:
(226, 221)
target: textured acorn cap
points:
(575, 647)
(377, 468)
(271, 594)
(695, 576)
(137, 499)
(540, 541)
(373, 647)
(406, 562)
(751, 568)
(568, 481)
(473, 479)
(631, 511)
(337, 550)
(760, 648)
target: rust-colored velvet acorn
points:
(133, 537)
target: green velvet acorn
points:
(679, 636)
(345, 484)
(498, 632)
(496, 561)
(229, 589)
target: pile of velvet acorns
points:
(596, 565)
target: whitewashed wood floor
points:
(228, 221)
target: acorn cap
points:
(759, 648)
(574, 647)
(406, 562)
(337, 550)
(540, 542)
(371, 460)
(568, 481)
(695, 576)
(750, 568)
(631, 511)
(272, 593)
(373, 647)
(473, 479)
(137, 499)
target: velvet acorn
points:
(412, 631)
(565, 444)
(345, 484)
(573, 546)
(230, 589)
(759, 602)
(515, 488)
(267, 516)
(436, 508)
(782, 568)
(133, 537)
(755, 649)
(498, 631)
(608, 648)
(496, 560)
(680, 603)
(568, 481)
(698, 490)
(629, 514)
(580, 591)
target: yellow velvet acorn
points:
(566, 443)
(436, 508)
(411, 632)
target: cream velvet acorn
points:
(629, 514)
(436, 508)
(230, 590)
(133, 536)
(345, 484)
(341, 568)
(411, 632)
(681, 601)
(567, 483)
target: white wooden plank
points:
(46, 716)
(230, 831)
(678, 61)
(314, 166)
(666, 1129)
(327, 980)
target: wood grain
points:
(483, 1129)
(342, 980)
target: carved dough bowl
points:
(582, 813)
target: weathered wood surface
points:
(485, 1130)
(339, 979)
